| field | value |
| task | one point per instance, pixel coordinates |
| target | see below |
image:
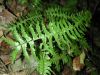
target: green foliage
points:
(33, 2)
(71, 3)
(44, 64)
(60, 34)
(22, 1)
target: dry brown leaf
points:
(5, 59)
(5, 18)
(8, 17)
(77, 66)
(5, 48)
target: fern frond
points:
(44, 64)
(13, 44)
(64, 30)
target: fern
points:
(44, 64)
(60, 37)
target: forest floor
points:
(19, 67)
